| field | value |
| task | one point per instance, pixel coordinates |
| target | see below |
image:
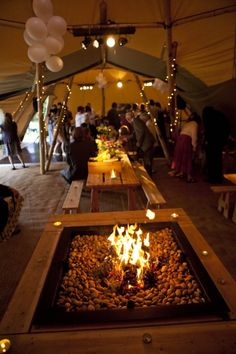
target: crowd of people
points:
(139, 128)
(135, 128)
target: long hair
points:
(7, 123)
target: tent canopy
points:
(203, 30)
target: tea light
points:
(57, 223)
(174, 216)
(150, 214)
(204, 253)
(113, 174)
(4, 345)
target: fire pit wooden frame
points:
(205, 337)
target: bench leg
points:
(223, 204)
(131, 199)
(234, 214)
(94, 200)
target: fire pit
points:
(127, 274)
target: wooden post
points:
(39, 85)
(159, 135)
(169, 63)
(59, 122)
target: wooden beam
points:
(59, 122)
(169, 60)
(39, 86)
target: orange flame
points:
(131, 247)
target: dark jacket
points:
(144, 137)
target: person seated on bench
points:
(80, 150)
(10, 207)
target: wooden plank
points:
(18, 316)
(207, 338)
(220, 189)
(103, 167)
(231, 177)
(73, 196)
(20, 311)
(150, 189)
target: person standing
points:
(80, 117)
(113, 117)
(11, 139)
(186, 146)
(145, 141)
(216, 133)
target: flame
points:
(131, 247)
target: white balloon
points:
(54, 44)
(43, 9)
(29, 40)
(54, 63)
(36, 28)
(37, 53)
(56, 26)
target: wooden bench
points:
(72, 201)
(224, 201)
(153, 195)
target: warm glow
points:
(131, 247)
(113, 174)
(119, 84)
(150, 214)
(110, 42)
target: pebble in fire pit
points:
(92, 281)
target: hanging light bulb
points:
(122, 41)
(119, 84)
(86, 42)
(110, 42)
(98, 42)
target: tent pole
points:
(170, 63)
(146, 101)
(39, 85)
(59, 122)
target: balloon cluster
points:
(43, 33)
(101, 80)
(160, 85)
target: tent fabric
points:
(203, 30)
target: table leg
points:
(94, 200)
(131, 198)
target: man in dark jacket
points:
(145, 141)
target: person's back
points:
(80, 150)
(113, 116)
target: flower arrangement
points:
(108, 147)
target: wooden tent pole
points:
(169, 64)
(59, 122)
(39, 85)
(146, 101)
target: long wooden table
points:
(230, 177)
(178, 337)
(112, 175)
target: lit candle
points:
(150, 214)
(174, 216)
(4, 345)
(57, 223)
(113, 174)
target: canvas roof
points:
(204, 32)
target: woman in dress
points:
(11, 139)
(185, 148)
